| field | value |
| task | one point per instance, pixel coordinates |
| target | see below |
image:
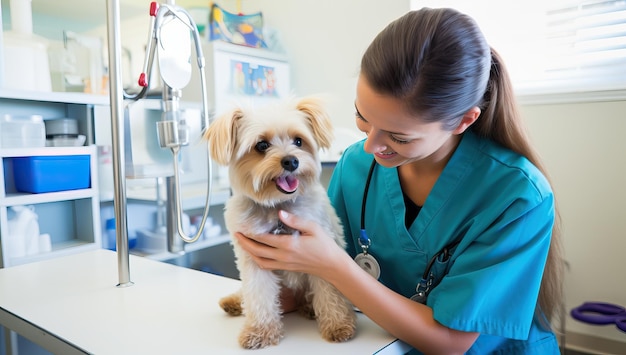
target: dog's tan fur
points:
(295, 129)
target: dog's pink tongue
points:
(287, 183)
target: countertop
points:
(73, 303)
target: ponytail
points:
(501, 122)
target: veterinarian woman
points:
(456, 197)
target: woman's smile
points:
(383, 155)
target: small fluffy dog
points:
(273, 160)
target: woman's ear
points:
(468, 119)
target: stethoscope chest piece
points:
(423, 289)
(369, 264)
(419, 297)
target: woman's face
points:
(396, 137)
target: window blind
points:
(554, 47)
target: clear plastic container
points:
(22, 131)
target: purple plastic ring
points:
(620, 322)
(599, 313)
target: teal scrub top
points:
(502, 207)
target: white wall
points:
(324, 40)
(584, 149)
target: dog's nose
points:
(290, 163)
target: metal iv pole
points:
(117, 126)
(172, 130)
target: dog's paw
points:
(259, 337)
(339, 333)
(232, 305)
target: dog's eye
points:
(298, 142)
(262, 146)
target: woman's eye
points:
(262, 146)
(298, 142)
(361, 124)
(399, 141)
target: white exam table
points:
(71, 305)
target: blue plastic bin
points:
(38, 174)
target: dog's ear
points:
(319, 120)
(222, 136)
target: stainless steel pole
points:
(117, 130)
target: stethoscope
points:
(368, 263)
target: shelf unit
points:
(72, 217)
(65, 206)
(193, 199)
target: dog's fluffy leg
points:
(261, 304)
(335, 316)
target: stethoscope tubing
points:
(365, 242)
(363, 236)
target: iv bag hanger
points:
(171, 29)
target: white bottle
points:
(23, 232)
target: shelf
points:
(61, 97)
(58, 249)
(193, 195)
(19, 198)
(70, 217)
(190, 247)
(246, 51)
(45, 151)
(9, 196)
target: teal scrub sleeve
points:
(493, 284)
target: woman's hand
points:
(312, 252)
